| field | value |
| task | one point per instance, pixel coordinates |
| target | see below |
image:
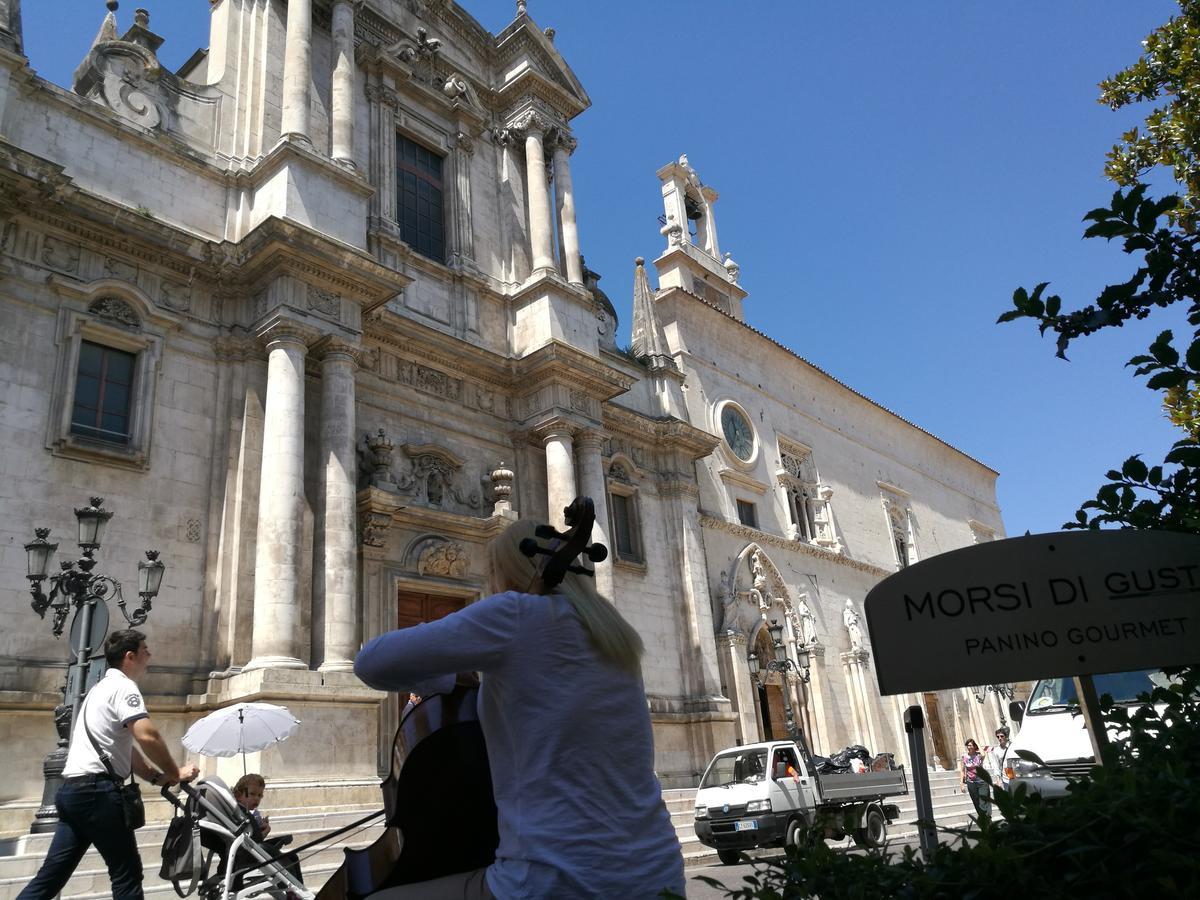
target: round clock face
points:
(738, 433)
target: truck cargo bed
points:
(854, 788)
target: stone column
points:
(816, 693)
(870, 713)
(563, 148)
(277, 635)
(539, 196)
(335, 622)
(739, 687)
(297, 69)
(342, 112)
(592, 484)
(560, 471)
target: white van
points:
(1058, 737)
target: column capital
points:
(333, 349)
(278, 330)
(564, 141)
(555, 428)
(531, 122)
(590, 439)
(731, 639)
(464, 143)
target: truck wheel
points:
(874, 831)
(795, 834)
(729, 857)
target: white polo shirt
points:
(110, 708)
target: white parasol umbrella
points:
(242, 728)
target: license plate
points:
(746, 825)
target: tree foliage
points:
(1161, 235)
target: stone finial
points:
(141, 18)
(502, 486)
(549, 33)
(381, 450)
(732, 269)
(112, 5)
(521, 11)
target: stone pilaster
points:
(864, 715)
(335, 620)
(464, 233)
(588, 444)
(558, 440)
(564, 146)
(381, 108)
(815, 695)
(297, 70)
(739, 686)
(278, 640)
(540, 236)
(343, 93)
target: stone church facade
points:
(310, 315)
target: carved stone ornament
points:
(531, 121)
(464, 142)
(380, 452)
(375, 527)
(672, 231)
(443, 560)
(455, 87)
(61, 255)
(323, 302)
(732, 269)
(176, 296)
(502, 488)
(114, 309)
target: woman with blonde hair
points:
(564, 714)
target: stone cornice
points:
(665, 431)
(774, 540)
(414, 340)
(557, 361)
(290, 151)
(388, 510)
(281, 247)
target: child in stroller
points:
(214, 826)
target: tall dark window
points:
(103, 393)
(747, 514)
(419, 198)
(625, 527)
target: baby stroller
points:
(213, 828)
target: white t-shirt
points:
(109, 707)
(569, 743)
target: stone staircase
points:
(21, 856)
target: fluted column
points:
(564, 146)
(342, 112)
(539, 195)
(588, 444)
(335, 622)
(277, 634)
(560, 470)
(297, 69)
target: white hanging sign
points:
(1040, 606)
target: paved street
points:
(732, 876)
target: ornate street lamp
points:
(1003, 692)
(76, 586)
(782, 664)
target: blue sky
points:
(888, 174)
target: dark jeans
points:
(89, 813)
(980, 796)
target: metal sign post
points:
(914, 727)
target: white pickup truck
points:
(767, 795)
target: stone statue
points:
(853, 625)
(759, 590)
(808, 622)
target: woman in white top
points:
(564, 714)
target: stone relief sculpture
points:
(760, 591)
(446, 560)
(853, 625)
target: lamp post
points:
(1003, 692)
(76, 586)
(782, 664)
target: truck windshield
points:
(1055, 694)
(743, 767)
